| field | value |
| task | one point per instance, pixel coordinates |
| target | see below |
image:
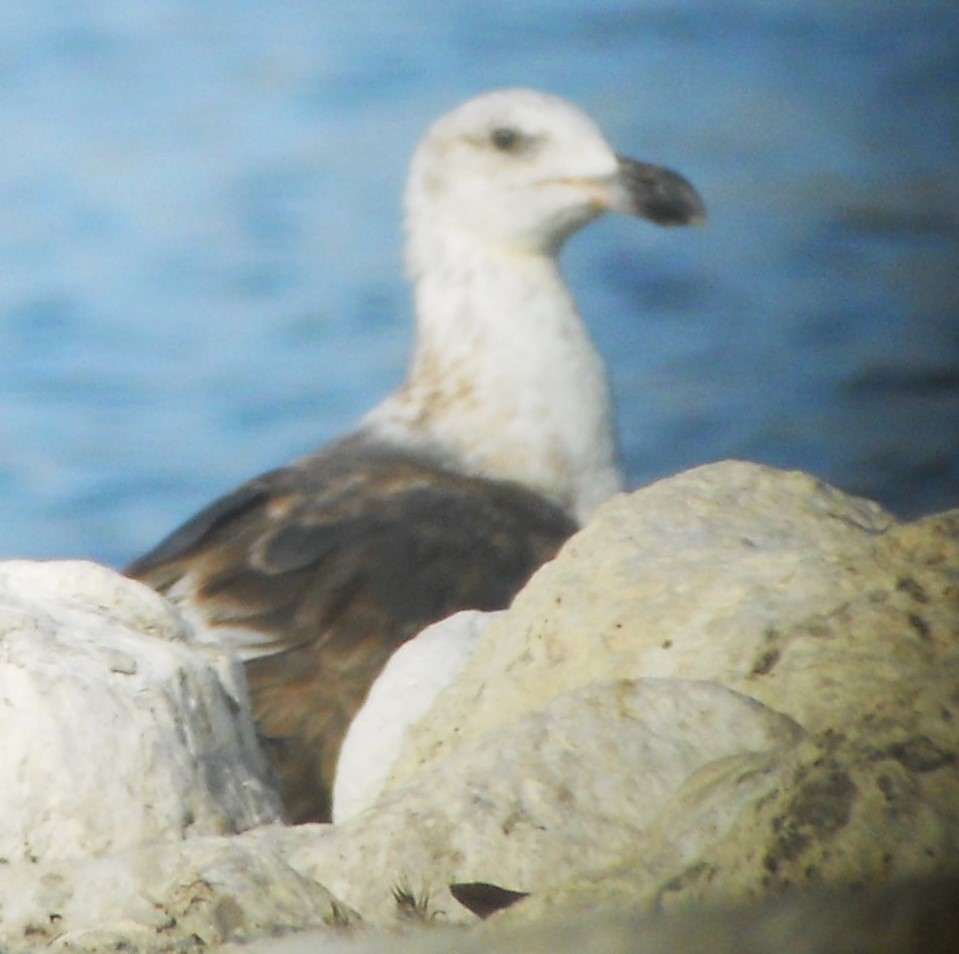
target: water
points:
(200, 270)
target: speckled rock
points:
(790, 593)
(117, 730)
(769, 583)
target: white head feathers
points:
(505, 382)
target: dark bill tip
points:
(658, 194)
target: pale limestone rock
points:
(769, 583)
(836, 814)
(568, 788)
(116, 729)
(782, 589)
(402, 694)
(731, 683)
(182, 895)
(554, 795)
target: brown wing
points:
(334, 562)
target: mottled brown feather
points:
(336, 561)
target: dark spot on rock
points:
(819, 629)
(667, 643)
(919, 625)
(821, 805)
(825, 803)
(485, 899)
(912, 588)
(830, 741)
(229, 916)
(792, 843)
(695, 874)
(564, 796)
(887, 787)
(920, 754)
(766, 662)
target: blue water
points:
(200, 269)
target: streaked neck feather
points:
(505, 381)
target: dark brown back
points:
(335, 561)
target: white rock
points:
(553, 795)
(116, 729)
(401, 695)
(173, 895)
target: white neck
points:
(505, 381)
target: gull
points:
(452, 491)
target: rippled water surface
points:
(200, 269)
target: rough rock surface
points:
(732, 684)
(115, 730)
(768, 583)
(912, 917)
(172, 895)
(783, 589)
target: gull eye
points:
(505, 139)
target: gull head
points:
(520, 171)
